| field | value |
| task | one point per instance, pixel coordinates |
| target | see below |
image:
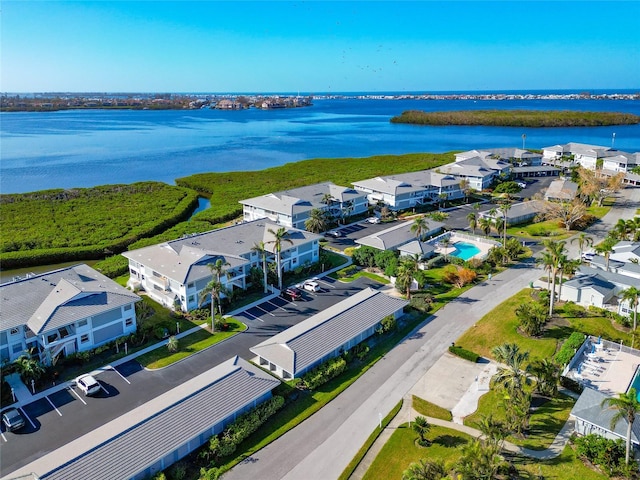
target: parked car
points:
(292, 293)
(311, 286)
(522, 184)
(13, 419)
(88, 384)
(334, 233)
(373, 220)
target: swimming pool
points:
(465, 250)
(636, 383)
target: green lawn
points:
(501, 326)
(401, 450)
(187, 346)
(429, 409)
(545, 423)
(351, 278)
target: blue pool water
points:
(636, 383)
(465, 250)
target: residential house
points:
(329, 333)
(291, 208)
(616, 161)
(176, 273)
(62, 312)
(479, 172)
(626, 251)
(561, 190)
(399, 236)
(518, 213)
(153, 436)
(514, 156)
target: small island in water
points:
(517, 118)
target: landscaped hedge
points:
(466, 354)
(569, 347)
(323, 373)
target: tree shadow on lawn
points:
(450, 441)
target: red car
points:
(292, 293)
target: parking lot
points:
(357, 230)
(67, 414)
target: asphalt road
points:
(322, 446)
(67, 414)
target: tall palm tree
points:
(557, 252)
(494, 431)
(262, 251)
(498, 224)
(281, 235)
(327, 199)
(622, 230)
(547, 375)
(632, 295)
(626, 407)
(406, 271)
(605, 249)
(545, 260)
(218, 268)
(485, 225)
(465, 186)
(214, 290)
(583, 240)
(472, 217)
(420, 226)
(504, 209)
(568, 267)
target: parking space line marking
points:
(123, 377)
(28, 418)
(254, 317)
(104, 388)
(3, 437)
(278, 306)
(76, 394)
(53, 405)
(258, 307)
(326, 283)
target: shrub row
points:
(568, 349)
(606, 453)
(323, 373)
(463, 353)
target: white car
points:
(373, 220)
(88, 384)
(311, 286)
(522, 184)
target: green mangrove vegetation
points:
(517, 118)
(53, 226)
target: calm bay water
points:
(94, 147)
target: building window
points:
(52, 338)
(16, 348)
(127, 307)
(82, 323)
(190, 285)
(128, 322)
(191, 299)
(15, 331)
(84, 338)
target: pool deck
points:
(607, 370)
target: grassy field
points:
(545, 423)
(501, 326)
(401, 450)
(429, 409)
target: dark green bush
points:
(466, 354)
(569, 347)
(604, 452)
(323, 373)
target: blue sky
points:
(318, 46)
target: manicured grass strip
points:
(372, 276)
(429, 409)
(545, 423)
(187, 346)
(355, 461)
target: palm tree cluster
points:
(555, 261)
(215, 288)
(626, 407)
(627, 229)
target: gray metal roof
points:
(417, 248)
(132, 443)
(589, 409)
(58, 298)
(407, 182)
(303, 199)
(307, 342)
(533, 169)
(398, 235)
(595, 282)
(186, 259)
(474, 167)
(562, 189)
(517, 210)
(619, 279)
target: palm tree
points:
(317, 221)
(473, 221)
(425, 470)
(545, 260)
(626, 406)
(485, 225)
(172, 344)
(406, 271)
(280, 235)
(260, 248)
(442, 197)
(419, 227)
(421, 426)
(547, 375)
(504, 208)
(214, 290)
(605, 249)
(557, 252)
(29, 368)
(498, 224)
(217, 268)
(506, 352)
(494, 431)
(583, 240)
(513, 378)
(622, 230)
(632, 295)
(466, 188)
(568, 267)
(479, 461)
(327, 199)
